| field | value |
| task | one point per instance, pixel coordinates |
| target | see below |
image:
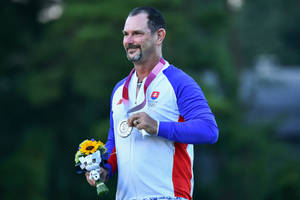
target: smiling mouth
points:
(132, 50)
(132, 46)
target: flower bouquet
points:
(90, 156)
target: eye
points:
(85, 163)
(94, 160)
(138, 33)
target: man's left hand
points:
(143, 121)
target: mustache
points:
(132, 46)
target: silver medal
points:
(123, 129)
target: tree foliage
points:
(270, 27)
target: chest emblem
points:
(154, 95)
(120, 101)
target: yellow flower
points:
(89, 146)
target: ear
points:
(161, 33)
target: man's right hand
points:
(103, 175)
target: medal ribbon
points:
(150, 78)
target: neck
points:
(144, 68)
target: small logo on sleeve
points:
(154, 95)
(120, 101)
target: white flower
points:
(90, 162)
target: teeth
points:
(131, 50)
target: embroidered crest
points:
(154, 95)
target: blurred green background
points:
(59, 61)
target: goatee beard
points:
(135, 58)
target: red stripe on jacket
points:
(182, 170)
(113, 160)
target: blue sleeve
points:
(110, 143)
(198, 125)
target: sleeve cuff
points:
(162, 129)
(157, 127)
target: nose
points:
(128, 39)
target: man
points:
(157, 113)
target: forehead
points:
(137, 22)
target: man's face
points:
(138, 40)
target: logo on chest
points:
(120, 102)
(154, 95)
(153, 99)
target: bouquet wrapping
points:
(92, 155)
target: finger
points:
(139, 126)
(132, 118)
(92, 182)
(104, 174)
(130, 121)
(136, 122)
(87, 175)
